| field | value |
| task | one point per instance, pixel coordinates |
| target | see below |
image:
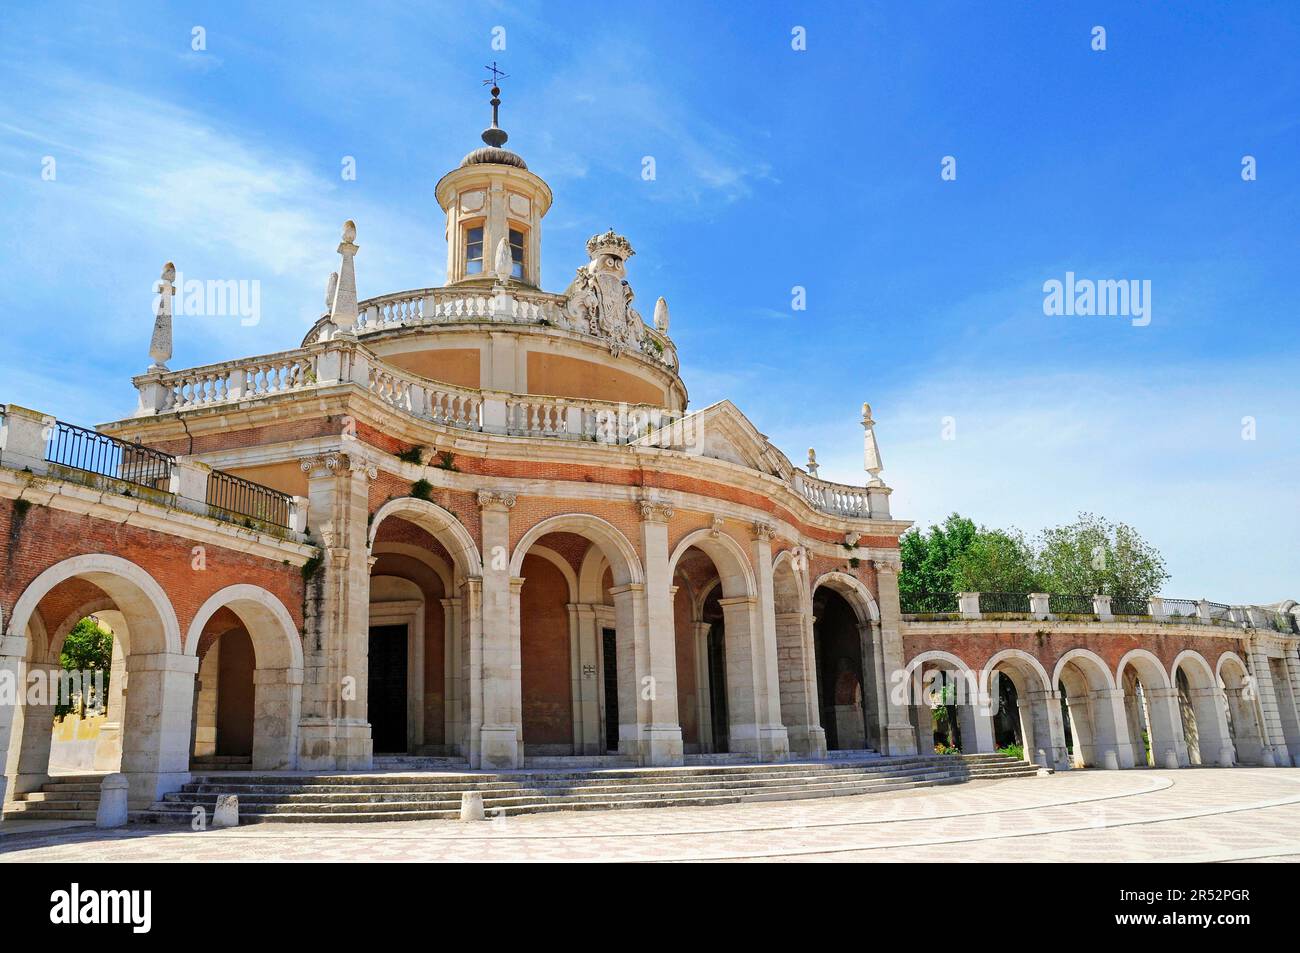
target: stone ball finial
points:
(349, 231)
(168, 272)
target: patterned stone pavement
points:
(1190, 815)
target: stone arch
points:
(973, 727)
(1036, 720)
(131, 588)
(50, 644)
(562, 564)
(591, 576)
(622, 556)
(728, 556)
(439, 523)
(1242, 710)
(852, 588)
(434, 562)
(1150, 707)
(1202, 709)
(155, 734)
(1093, 710)
(277, 669)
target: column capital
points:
(653, 511)
(763, 531)
(887, 566)
(499, 501)
(334, 462)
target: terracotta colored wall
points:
(687, 690)
(544, 650)
(453, 365)
(235, 694)
(561, 376)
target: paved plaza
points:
(1188, 815)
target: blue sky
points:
(775, 168)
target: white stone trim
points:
(1090, 656)
(265, 619)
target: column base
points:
(27, 783)
(334, 746)
(661, 746)
(760, 742)
(900, 740)
(499, 749)
(146, 787)
(808, 742)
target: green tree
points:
(995, 561)
(1093, 555)
(88, 648)
(928, 557)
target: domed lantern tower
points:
(493, 198)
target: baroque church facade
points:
(479, 522)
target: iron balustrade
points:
(1067, 604)
(1120, 606)
(917, 603)
(93, 452)
(246, 498)
(1220, 612)
(1008, 602)
(1180, 608)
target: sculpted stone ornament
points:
(655, 512)
(600, 299)
(160, 346)
(496, 500)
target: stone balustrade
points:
(433, 306)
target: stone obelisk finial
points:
(343, 309)
(160, 346)
(870, 451)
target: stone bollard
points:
(112, 801)
(227, 812)
(1227, 757)
(471, 806)
(1111, 762)
(1171, 760)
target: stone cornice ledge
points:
(954, 627)
(134, 511)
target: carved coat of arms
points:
(600, 298)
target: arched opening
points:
(1024, 721)
(150, 746)
(1242, 712)
(417, 648)
(944, 705)
(744, 710)
(1092, 713)
(248, 689)
(1204, 722)
(1150, 704)
(577, 610)
(841, 673)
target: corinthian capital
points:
(891, 565)
(763, 530)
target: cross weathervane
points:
(497, 75)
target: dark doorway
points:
(610, 652)
(387, 688)
(841, 688)
(235, 664)
(718, 686)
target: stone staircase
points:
(409, 796)
(65, 798)
(429, 788)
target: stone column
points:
(452, 698)
(1275, 751)
(587, 694)
(774, 741)
(704, 685)
(1048, 731)
(658, 723)
(897, 735)
(108, 747)
(1291, 663)
(334, 733)
(1111, 727)
(1166, 726)
(277, 710)
(501, 730)
(35, 737)
(156, 734)
(798, 685)
(13, 673)
(976, 729)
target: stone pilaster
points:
(501, 730)
(334, 733)
(658, 723)
(1275, 751)
(774, 742)
(897, 735)
(156, 733)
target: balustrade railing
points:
(1137, 607)
(1066, 604)
(928, 603)
(89, 451)
(245, 498)
(836, 498)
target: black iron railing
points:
(1180, 608)
(246, 498)
(80, 449)
(1129, 606)
(1005, 602)
(1220, 612)
(1066, 604)
(917, 603)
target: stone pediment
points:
(721, 432)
